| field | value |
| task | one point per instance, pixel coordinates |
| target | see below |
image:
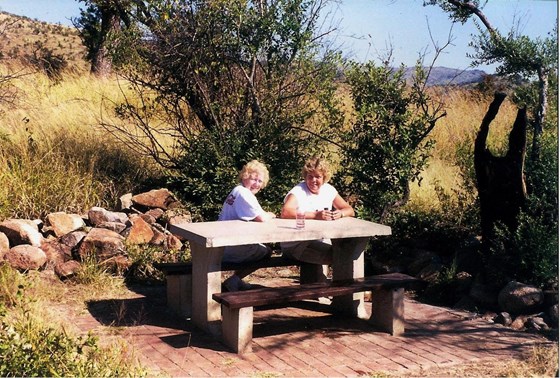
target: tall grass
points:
(52, 155)
(452, 135)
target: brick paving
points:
(303, 340)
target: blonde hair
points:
(254, 166)
(318, 164)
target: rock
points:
(67, 269)
(173, 243)
(25, 257)
(4, 245)
(519, 322)
(519, 298)
(159, 237)
(430, 272)
(56, 252)
(503, 318)
(118, 227)
(73, 239)
(148, 218)
(125, 201)
(536, 323)
(101, 244)
(157, 198)
(484, 295)
(62, 223)
(156, 213)
(21, 231)
(140, 232)
(422, 259)
(97, 215)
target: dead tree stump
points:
(500, 179)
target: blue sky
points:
(367, 28)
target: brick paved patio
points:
(304, 340)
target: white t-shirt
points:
(309, 201)
(313, 202)
(240, 204)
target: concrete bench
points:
(178, 278)
(387, 304)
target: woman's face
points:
(314, 180)
(254, 182)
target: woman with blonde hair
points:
(319, 200)
(241, 203)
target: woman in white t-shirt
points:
(320, 200)
(241, 203)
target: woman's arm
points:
(343, 208)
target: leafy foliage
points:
(228, 82)
(387, 146)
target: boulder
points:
(155, 213)
(56, 252)
(97, 215)
(125, 201)
(172, 243)
(159, 237)
(519, 298)
(62, 223)
(73, 239)
(140, 232)
(118, 227)
(101, 244)
(25, 257)
(21, 231)
(4, 244)
(67, 269)
(157, 198)
(503, 318)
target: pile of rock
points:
(517, 305)
(64, 240)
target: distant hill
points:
(451, 76)
(20, 37)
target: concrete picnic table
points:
(207, 240)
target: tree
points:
(99, 25)
(387, 146)
(516, 55)
(219, 83)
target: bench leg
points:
(179, 294)
(387, 310)
(237, 328)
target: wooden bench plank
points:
(387, 304)
(293, 293)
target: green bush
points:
(29, 349)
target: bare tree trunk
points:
(500, 180)
(102, 63)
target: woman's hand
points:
(330, 214)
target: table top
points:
(238, 232)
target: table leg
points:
(206, 280)
(348, 263)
